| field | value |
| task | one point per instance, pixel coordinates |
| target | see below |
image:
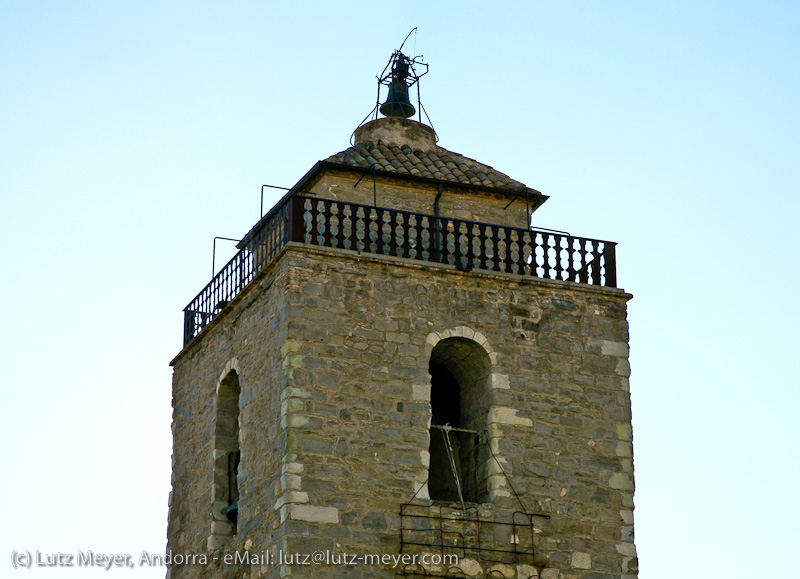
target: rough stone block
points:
(470, 567)
(527, 572)
(621, 481)
(221, 528)
(500, 382)
(293, 421)
(291, 497)
(608, 348)
(505, 415)
(581, 560)
(624, 449)
(292, 392)
(313, 514)
(291, 482)
(421, 392)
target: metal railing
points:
(469, 533)
(257, 253)
(464, 244)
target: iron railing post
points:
(437, 245)
(296, 209)
(610, 259)
(188, 326)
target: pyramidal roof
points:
(407, 147)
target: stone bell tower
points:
(397, 376)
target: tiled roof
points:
(438, 164)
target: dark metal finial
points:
(400, 77)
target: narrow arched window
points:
(227, 456)
(460, 371)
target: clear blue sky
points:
(133, 133)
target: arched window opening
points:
(445, 450)
(227, 456)
(460, 370)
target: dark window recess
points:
(460, 370)
(227, 452)
(445, 463)
(233, 486)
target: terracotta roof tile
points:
(438, 164)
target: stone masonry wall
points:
(247, 338)
(361, 332)
(333, 351)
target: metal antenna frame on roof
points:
(385, 78)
